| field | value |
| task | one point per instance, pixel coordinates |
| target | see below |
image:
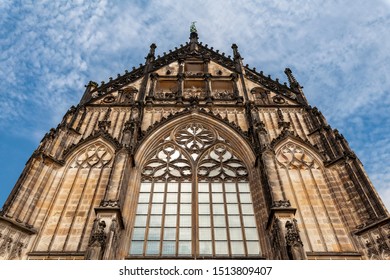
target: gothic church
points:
(194, 156)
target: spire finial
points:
(193, 36)
(193, 27)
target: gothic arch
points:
(193, 197)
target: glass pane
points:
(245, 198)
(154, 234)
(219, 209)
(140, 220)
(158, 198)
(142, 209)
(146, 187)
(237, 248)
(139, 234)
(217, 198)
(137, 247)
(153, 247)
(169, 248)
(159, 187)
(186, 187)
(169, 233)
(205, 248)
(155, 221)
(157, 209)
(204, 198)
(235, 234)
(185, 247)
(170, 221)
(144, 197)
(172, 197)
(204, 233)
(230, 187)
(220, 234)
(219, 221)
(203, 187)
(234, 221)
(185, 208)
(243, 187)
(221, 248)
(247, 209)
(185, 197)
(184, 233)
(232, 209)
(231, 198)
(253, 247)
(249, 221)
(170, 208)
(204, 208)
(185, 220)
(173, 187)
(204, 221)
(216, 187)
(251, 234)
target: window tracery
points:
(293, 156)
(96, 155)
(194, 199)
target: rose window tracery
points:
(194, 137)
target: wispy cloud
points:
(338, 51)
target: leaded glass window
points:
(194, 199)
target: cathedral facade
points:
(193, 156)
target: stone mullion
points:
(46, 190)
(312, 210)
(325, 208)
(37, 194)
(50, 208)
(80, 198)
(296, 201)
(76, 177)
(90, 211)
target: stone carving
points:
(97, 241)
(281, 204)
(293, 241)
(222, 94)
(194, 92)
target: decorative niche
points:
(194, 68)
(222, 89)
(166, 89)
(194, 89)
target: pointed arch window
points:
(194, 199)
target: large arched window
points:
(194, 199)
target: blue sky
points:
(338, 50)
